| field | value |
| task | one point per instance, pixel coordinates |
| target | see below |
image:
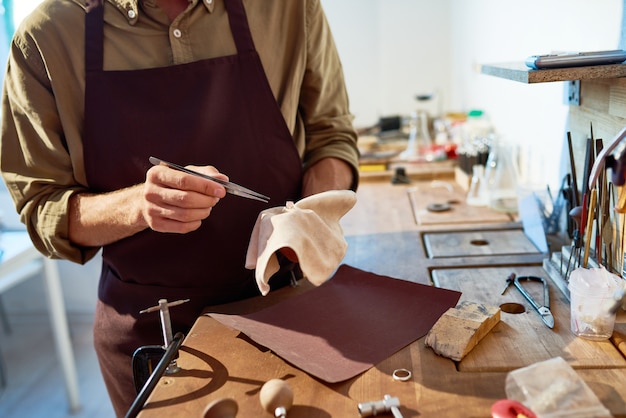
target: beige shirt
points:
(41, 153)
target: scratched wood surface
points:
(382, 207)
(427, 198)
(384, 238)
(218, 362)
(523, 334)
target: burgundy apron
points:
(219, 111)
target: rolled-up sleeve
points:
(324, 103)
(34, 154)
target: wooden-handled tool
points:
(590, 216)
(276, 397)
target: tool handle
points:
(590, 215)
(149, 386)
(524, 293)
(396, 412)
(509, 280)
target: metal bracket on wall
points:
(572, 92)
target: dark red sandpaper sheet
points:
(350, 323)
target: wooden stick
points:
(602, 205)
(590, 216)
(572, 163)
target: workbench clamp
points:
(388, 404)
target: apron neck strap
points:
(94, 31)
(94, 35)
(239, 25)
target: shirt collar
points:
(130, 8)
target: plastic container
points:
(553, 389)
(591, 297)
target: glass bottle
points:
(501, 177)
(419, 137)
(477, 194)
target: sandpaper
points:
(348, 324)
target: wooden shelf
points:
(517, 71)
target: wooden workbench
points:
(467, 251)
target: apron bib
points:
(220, 111)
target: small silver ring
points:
(401, 375)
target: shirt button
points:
(131, 14)
(177, 33)
(209, 1)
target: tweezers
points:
(230, 187)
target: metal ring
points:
(438, 207)
(401, 375)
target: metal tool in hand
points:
(542, 310)
(166, 326)
(388, 404)
(230, 187)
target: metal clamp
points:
(388, 404)
(166, 326)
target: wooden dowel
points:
(590, 216)
(572, 163)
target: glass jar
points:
(419, 137)
(501, 177)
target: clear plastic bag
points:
(552, 389)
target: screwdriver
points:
(509, 280)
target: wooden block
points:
(461, 328)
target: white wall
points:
(391, 50)
(426, 45)
(488, 31)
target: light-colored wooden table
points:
(386, 237)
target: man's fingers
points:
(178, 202)
(174, 179)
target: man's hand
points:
(326, 174)
(169, 201)
(179, 202)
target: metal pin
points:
(294, 280)
(166, 326)
(169, 304)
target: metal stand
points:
(166, 326)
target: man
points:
(254, 91)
